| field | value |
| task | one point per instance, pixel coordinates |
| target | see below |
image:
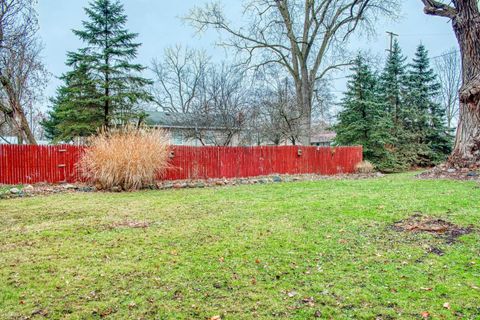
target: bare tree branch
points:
(438, 8)
(22, 74)
(178, 77)
(300, 35)
(449, 71)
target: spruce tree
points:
(392, 82)
(110, 50)
(393, 85)
(427, 117)
(76, 111)
(363, 121)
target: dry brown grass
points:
(365, 167)
(128, 158)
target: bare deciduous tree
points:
(22, 74)
(179, 76)
(206, 101)
(276, 114)
(221, 111)
(323, 102)
(23, 80)
(465, 17)
(306, 37)
(449, 71)
(276, 111)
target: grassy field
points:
(5, 188)
(301, 250)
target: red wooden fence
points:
(54, 164)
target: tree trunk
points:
(21, 126)
(24, 133)
(25, 128)
(466, 25)
(17, 114)
(305, 101)
(467, 143)
(106, 107)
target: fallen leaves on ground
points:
(309, 301)
(292, 293)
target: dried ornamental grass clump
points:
(364, 167)
(129, 158)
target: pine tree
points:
(427, 117)
(440, 137)
(396, 118)
(393, 85)
(363, 121)
(76, 111)
(392, 82)
(110, 51)
(50, 123)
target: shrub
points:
(127, 158)
(364, 167)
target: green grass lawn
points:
(288, 250)
(5, 188)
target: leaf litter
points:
(439, 227)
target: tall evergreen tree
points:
(393, 85)
(427, 117)
(363, 120)
(76, 111)
(110, 50)
(396, 118)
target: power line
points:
(390, 50)
(424, 34)
(431, 58)
(445, 54)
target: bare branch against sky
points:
(159, 26)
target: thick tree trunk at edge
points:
(466, 25)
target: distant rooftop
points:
(173, 120)
(323, 137)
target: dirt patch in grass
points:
(420, 223)
(130, 224)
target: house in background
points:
(207, 130)
(322, 135)
(324, 139)
(196, 129)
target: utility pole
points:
(391, 35)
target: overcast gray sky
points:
(159, 25)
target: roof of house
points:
(171, 120)
(168, 119)
(323, 137)
(321, 132)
